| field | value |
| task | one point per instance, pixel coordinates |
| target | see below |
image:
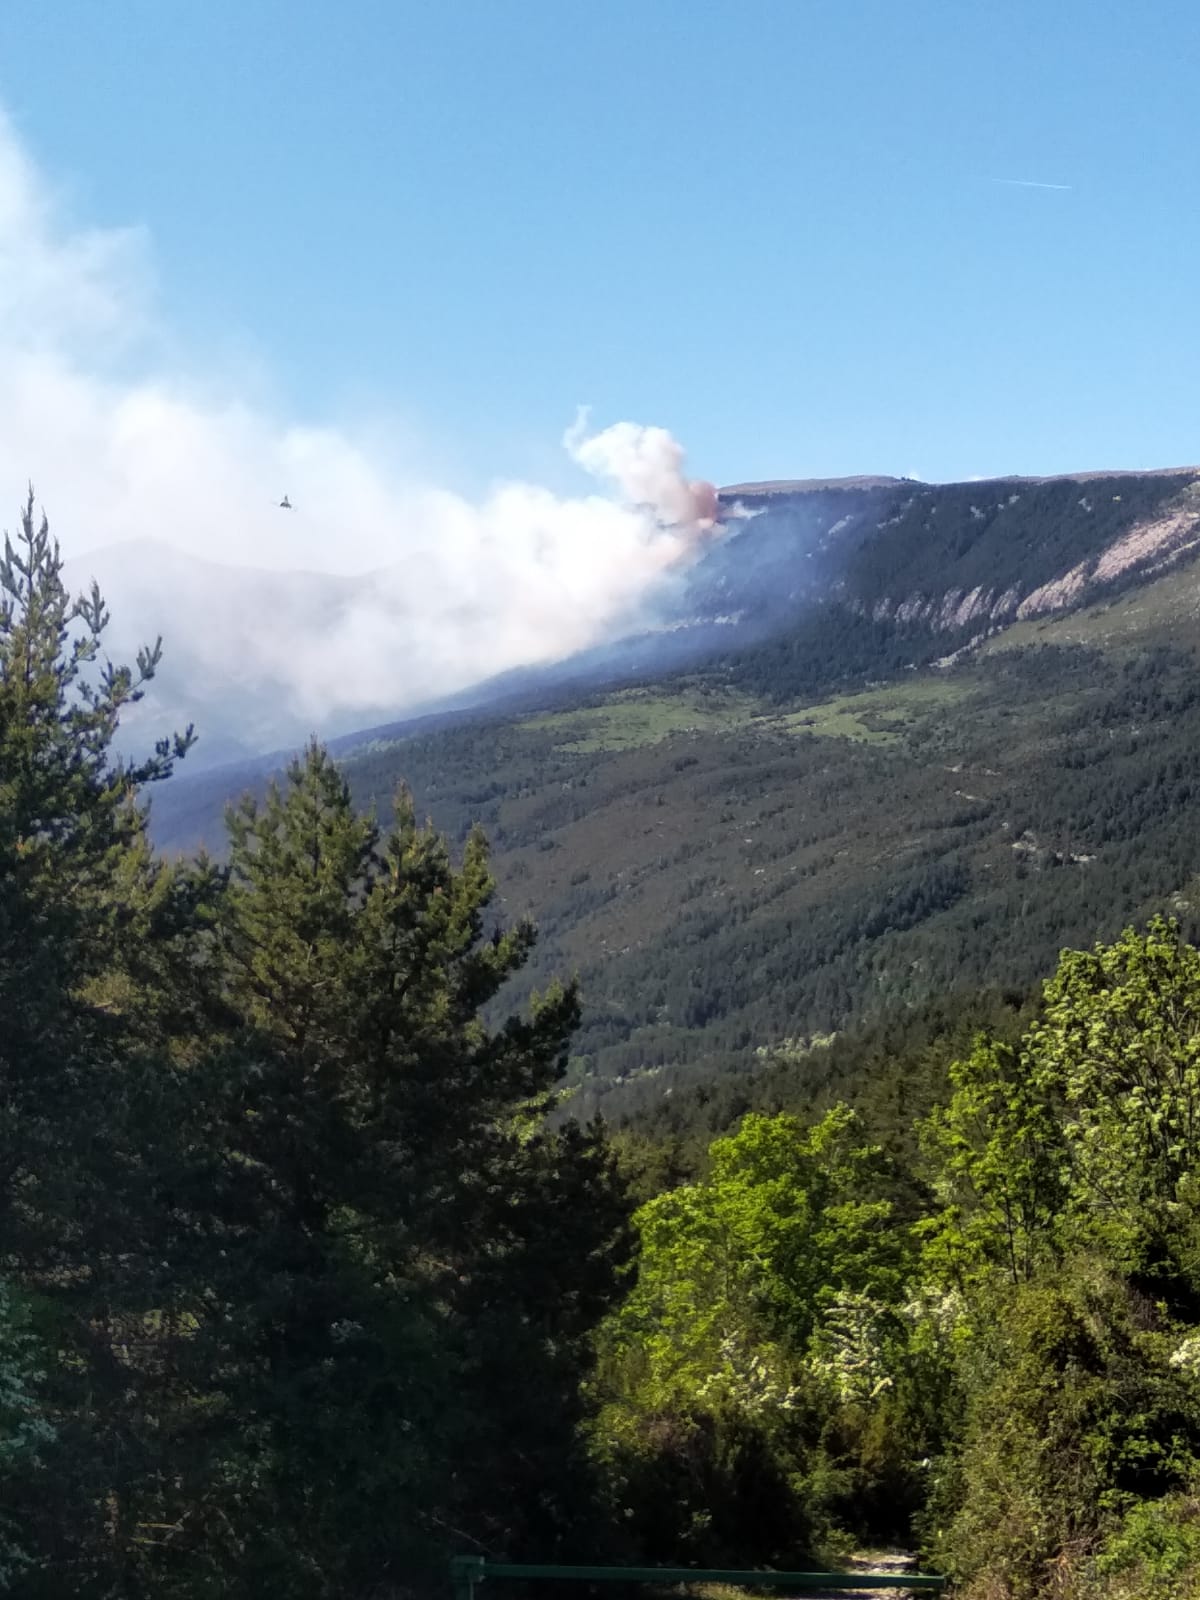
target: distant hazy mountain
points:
(213, 619)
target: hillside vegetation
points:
(729, 876)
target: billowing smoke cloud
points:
(377, 593)
(646, 465)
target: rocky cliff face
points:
(950, 556)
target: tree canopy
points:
(284, 1230)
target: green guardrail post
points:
(465, 1573)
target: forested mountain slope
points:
(952, 558)
(953, 729)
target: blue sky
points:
(777, 229)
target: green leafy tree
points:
(1075, 1410)
(734, 1371)
(746, 1260)
(1088, 1128)
(1065, 1168)
(1121, 1037)
(998, 1164)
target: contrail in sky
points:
(1032, 183)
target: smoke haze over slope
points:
(378, 591)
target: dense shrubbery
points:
(994, 1353)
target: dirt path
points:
(888, 1561)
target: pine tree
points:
(76, 873)
(85, 1114)
(411, 1246)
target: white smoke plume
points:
(376, 594)
(646, 465)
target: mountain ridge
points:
(892, 550)
(781, 564)
(778, 486)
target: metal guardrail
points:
(467, 1571)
